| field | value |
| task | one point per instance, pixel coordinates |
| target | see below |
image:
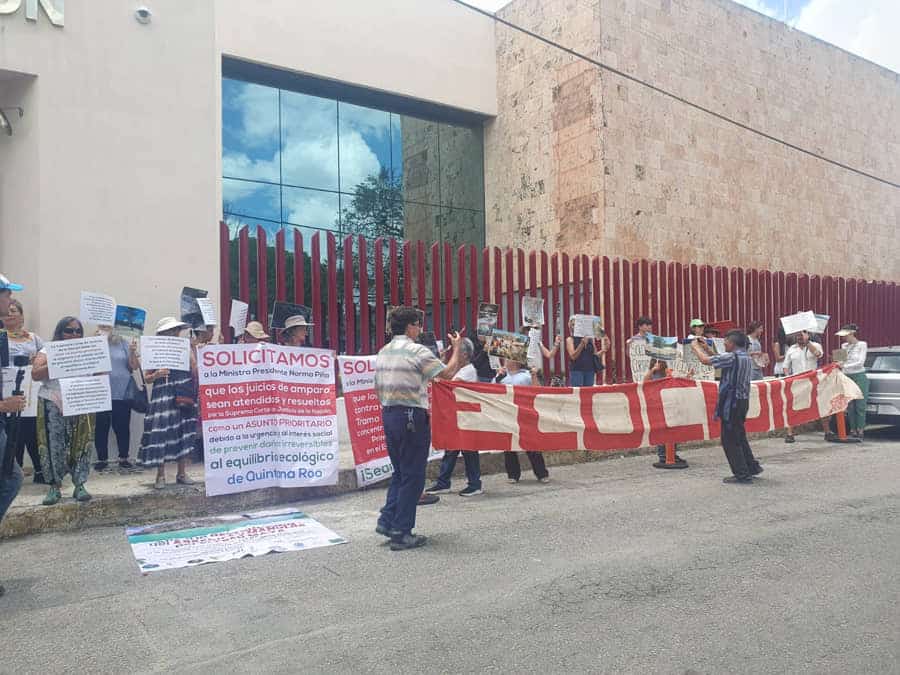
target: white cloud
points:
(759, 6)
(488, 5)
(868, 28)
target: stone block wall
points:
(585, 161)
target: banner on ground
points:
(476, 416)
(168, 546)
(269, 417)
(364, 425)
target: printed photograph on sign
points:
(587, 325)
(661, 348)
(532, 311)
(506, 345)
(130, 322)
(487, 318)
(191, 313)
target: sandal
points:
(184, 479)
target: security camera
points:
(143, 14)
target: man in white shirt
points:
(466, 373)
(802, 357)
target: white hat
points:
(847, 329)
(255, 328)
(297, 321)
(168, 323)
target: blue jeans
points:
(9, 487)
(582, 378)
(473, 469)
(408, 449)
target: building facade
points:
(425, 120)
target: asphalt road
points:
(612, 567)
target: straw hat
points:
(256, 330)
(297, 321)
(168, 323)
(847, 329)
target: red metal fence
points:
(349, 284)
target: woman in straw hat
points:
(855, 368)
(170, 425)
(296, 328)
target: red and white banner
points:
(269, 417)
(364, 425)
(476, 416)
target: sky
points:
(867, 28)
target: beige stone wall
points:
(676, 183)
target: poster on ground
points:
(28, 387)
(506, 345)
(269, 417)
(487, 318)
(85, 395)
(364, 424)
(97, 309)
(532, 311)
(199, 541)
(163, 351)
(78, 357)
(130, 322)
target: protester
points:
(24, 343)
(757, 355)
(644, 327)
(697, 333)
(802, 357)
(585, 360)
(481, 360)
(659, 371)
(124, 361)
(170, 425)
(403, 369)
(253, 333)
(9, 484)
(201, 337)
(466, 373)
(733, 404)
(65, 444)
(514, 374)
(855, 368)
(295, 331)
(780, 345)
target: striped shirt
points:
(737, 368)
(403, 369)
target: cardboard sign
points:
(161, 351)
(97, 309)
(76, 358)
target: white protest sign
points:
(822, 323)
(534, 347)
(162, 351)
(208, 310)
(532, 311)
(239, 316)
(494, 361)
(584, 325)
(74, 358)
(85, 395)
(801, 321)
(364, 424)
(97, 309)
(28, 387)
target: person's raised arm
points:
(702, 355)
(453, 365)
(573, 351)
(550, 353)
(816, 349)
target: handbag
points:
(136, 396)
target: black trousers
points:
(513, 470)
(734, 442)
(120, 419)
(28, 441)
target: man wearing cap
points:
(855, 368)
(295, 331)
(403, 369)
(9, 484)
(253, 333)
(802, 357)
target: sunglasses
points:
(72, 331)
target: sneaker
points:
(428, 499)
(80, 494)
(53, 497)
(471, 492)
(789, 439)
(383, 531)
(437, 490)
(741, 480)
(184, 479)
(408, 541)
(126, 465)
(545, 479)
(101, 466)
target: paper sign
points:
(487, 318)
(75, 358)
(532, 311)
(534, 347)
(28, 387)
(495, 362)
(161, 351)
(130, 322)
(85, 395)
(719, 345)
(97, 309)
(587, 325)
(190, 308)
(207, 311)
(801, 321)
(239, 312)
(822, 323)
(662, 348)
(512, 346)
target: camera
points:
(143, 14)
